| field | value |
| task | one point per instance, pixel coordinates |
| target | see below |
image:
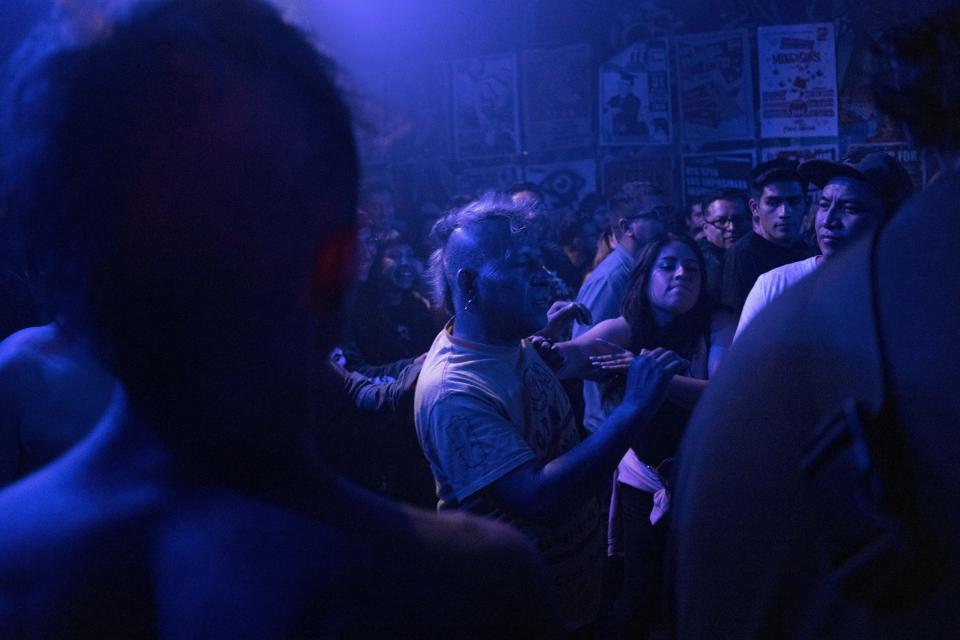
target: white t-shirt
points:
(770, 285)
(481, 411)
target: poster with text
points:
(821, 152)
(557, 98)
(715, 84)
(705, 173)
(564, 183)
(655, 169)
(485, 114)
(475, 182)
(906, 154)
(798, 81)
(635, 96)
(801, 154)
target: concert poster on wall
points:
(715, 86)
(906, 154)
(801, 153)
(485, 114)
(656, 169)
(477, 181)
(558, 98)
(707, 172)
(564, 183)
(635, 96)
(797, 73)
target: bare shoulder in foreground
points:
(113, 541)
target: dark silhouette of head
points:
(916, 79)
(188, 182)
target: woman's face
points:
(674, 283)
(396, 266)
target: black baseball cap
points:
(776, 170)
(880, 170)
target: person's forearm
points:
(566, 482)
(686, 391)
(576, 364)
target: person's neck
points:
(470, 327)
(785, 244)
(661, 318)
(630, 245)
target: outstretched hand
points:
(648, 377)
(560, 317)
(618, 360)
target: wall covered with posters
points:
(599, 93)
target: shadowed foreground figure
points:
(52, 393)
(818, 484)
(189, 182)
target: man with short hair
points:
(856, 195)
(493, 419)
(777, 206)
(725, 220)
(638, 214)
(188, 182)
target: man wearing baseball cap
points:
(856, 195)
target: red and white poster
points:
(797, 71)
(716, 91)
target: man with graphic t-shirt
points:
(493, 419)
(777, 205)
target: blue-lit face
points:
(515, 290)
(397, 266)
(778, 215)
(847, 208)
(674, 284)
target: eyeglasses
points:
(720, 223)
(663, 214)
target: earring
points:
(466, 307)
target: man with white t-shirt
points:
(494, 421)
(856, 195)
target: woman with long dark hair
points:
(666, 306)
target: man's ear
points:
(467, 283)
(754, 211)
(623, 226)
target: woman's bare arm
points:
(602, 338)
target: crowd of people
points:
(265, 404)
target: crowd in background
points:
(228, 336)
